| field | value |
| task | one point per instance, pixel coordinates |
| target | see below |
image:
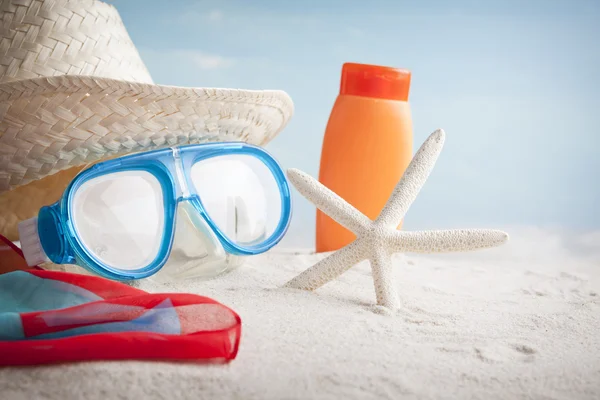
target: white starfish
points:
(377, 240)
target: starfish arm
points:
(413, 179)
(329, 268)
(328, 202)
(383, 278)
(446, 241)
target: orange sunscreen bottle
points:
(367, 144)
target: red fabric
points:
(207, 331)
(201, 347)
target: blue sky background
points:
(515, 84)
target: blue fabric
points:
(11, 327)
(22, 292)
(161, 319)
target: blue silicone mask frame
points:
(171, 167)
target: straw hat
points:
(73, 90)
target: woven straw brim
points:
(54, 123)
(51, 128)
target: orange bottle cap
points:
(375, 81)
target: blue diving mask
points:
(184, 211)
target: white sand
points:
(518, 322)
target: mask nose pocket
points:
(196, 251)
